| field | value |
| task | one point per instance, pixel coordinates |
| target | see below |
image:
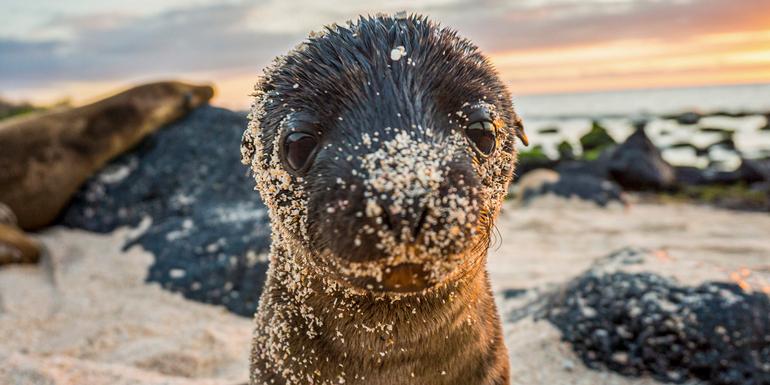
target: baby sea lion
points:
(45, 158)
(383, 150)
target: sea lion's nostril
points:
(405, 225)
(386, 221)
(419, 223)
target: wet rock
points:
(566, 152)
(686, 118)
(643, 324)
(749, 172)
(595, 141)
(694, 176)
(638, 165)
(513, 293)
(698, 151)
(690, 176)
(209, 230)
(717, 130)
(754, 170)
(727, 142)
(582, 186)
(533, 159)
(548, 130)
(598, 167)
(732, 114)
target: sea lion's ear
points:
(520, 131)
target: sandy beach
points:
(546, 244)
(86, 316)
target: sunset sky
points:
(83, 49)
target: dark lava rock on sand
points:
(750, 171)
(643, 324)
(596, 140)
(638, 165)
(209, 227)
(686, 118)
(532, 159)
(582, 186)
(598, 168)
(566, 152)
(548, 130)
(755, 170)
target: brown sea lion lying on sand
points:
(15, 245)
(45, 158)
(383, 150)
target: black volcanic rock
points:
(597, 168)
(638, 165)
(643, 324)
(690, 176)
(548, 130)
(694, 176)
(532, 159)
(596, 140)
(754, 170)
(582, 186)
(749, 172)
(686, 118)
(209, 228)
(566, 152)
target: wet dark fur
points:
(338, 75)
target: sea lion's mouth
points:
(409, 272)
(407, 277)
(403, 278)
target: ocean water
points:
(734, 98)
(573, 114)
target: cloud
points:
(541, 24)
(205, 38)
(20, 60)
(231, 37)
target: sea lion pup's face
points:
(383, 150)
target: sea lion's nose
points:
(406, 223)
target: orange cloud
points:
(736, 57)
(538, 47)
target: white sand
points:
(86, 316)
(554, 239)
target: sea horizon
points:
(734, 98)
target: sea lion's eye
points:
(298, 149)
(482, 136)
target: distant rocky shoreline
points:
(637, 164)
